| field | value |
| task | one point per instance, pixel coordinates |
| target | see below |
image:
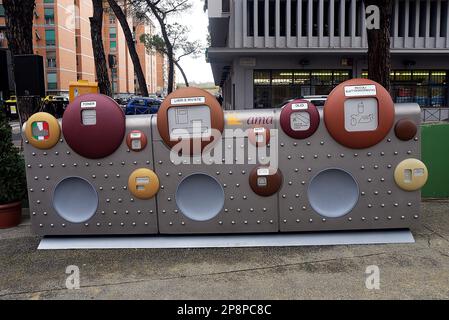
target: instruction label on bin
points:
(362, 90)
(88, 104)
(300, 106)
(263, 172)
(189, 100)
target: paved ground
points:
(408, 271)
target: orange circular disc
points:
(359, 113)
(189, 115)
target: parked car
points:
(142, 105)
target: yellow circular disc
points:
(42, 130)
(143, 184)
(411, 174)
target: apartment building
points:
(265, 51)
(61, 34)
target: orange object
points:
(82, 87)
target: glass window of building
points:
(2, 10)
(50, 37)
(49, 1)
(113, 45)
(51, 59)
(112, 19)
(52, 82)
(428, 88)
(113, 32)
(49, 14)
(273, 88)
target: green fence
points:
(435, 154)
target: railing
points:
(434, 114)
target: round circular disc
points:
(259, 136)
(42, 130)
(405, 129)
(300, 119)
(411, 174)
(333, 193)
(136, 140)
(75, 200)
(359, 113)
(187, 106)
(265, 181)
(200, 197)
(143, 183)
(94, 126)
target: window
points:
(2, 10)
(50, 37)
(273, 87)
(52, 83)
(113, 45)
(49, 14)
(49, 1)
(112, 19)
(51, 59)
(113, 32)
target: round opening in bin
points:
(75, 200)
(200, 197)
(333, 193)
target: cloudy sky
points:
(196, 69)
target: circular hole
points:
(333, 193)
(200, 197)
(75, 200)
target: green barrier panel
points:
(435, 154)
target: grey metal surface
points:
(230, 241)
(382, 204)
(118, 211)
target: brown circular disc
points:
(405, 129)
(190, 103)
(94, 126)
(265, 181)
(300, 119)
(259, 136)
(365, 95)
(136, 140)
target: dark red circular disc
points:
(405, 129)
(300, 119)
(94, 126)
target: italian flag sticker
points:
(40, 130)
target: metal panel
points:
(381, 204)
(118, 211)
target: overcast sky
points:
(196, 69)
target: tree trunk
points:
(379, 58)
(19, 32)
(168, 44)
(186, 81)
(19, 25)
(121, 17)
(96, 31)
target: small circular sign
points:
(411, 174)
(300, 119)
(136, 140)
(143, 184)
(359, 113)
(265, 181)
(259, 136)
(42, 130)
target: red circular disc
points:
(405, 129)
(136, 140)
(94, 126)
(300, 119)
(351, 111)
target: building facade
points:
(61, 34)
(266, 51)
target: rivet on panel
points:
(68, 152)
(396, 153)
(295, 144)
(245, 197)
(220, 222)
(363, 218)
(376, 218)
(297, 220)
(45, 213)
(389, 166)
(258, 221)
(243, 172)
(284, 196)
(98, 224)
(120, 200)
(101, 188)
(290, 183)
(409, 204)
(285, 221)
(122, 224)
(376, 192)
(382, 179)
(308, 143)
(146, 223)
(29, 166)
(239, 210)
(63, 165)
(349, 219)
(376, 166)
(362, 167)
(297, 195)
(52, 165)
(231, 197)
(370, 205)
(342, 155)
(396, 204)
(224, 185)
(134, 224)
(389, 192)
(233, 222)
(382, 205)
(180, 174)
(237, 185)
(251, 209)
(94, 176)
(409, 152)
(114, 212)
(289, 157)
(315, 156)
(310, 220)
(164, 211)
(369, 154)
(126, 211)
(304, 208)
(388, 140)
(63, 225)
(110, 224)
(370, 180)
(31, 190)
(291, 208)
(148, 162)
(382, 153)
(389, 217)
(264, 209)
(226, 210)
(52, 225)
(118, 176)
(113, 188)
(324, 220)
(402, 217)
(38, 201)
(302, 157)
(322, 143)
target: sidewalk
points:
(407, 271)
